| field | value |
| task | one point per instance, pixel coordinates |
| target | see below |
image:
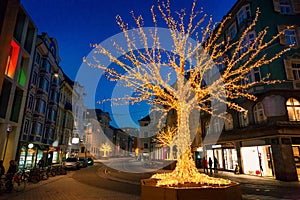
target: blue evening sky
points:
(78, 23)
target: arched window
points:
(259, 113)
(243, 119)
(228, 122)
(293, 108)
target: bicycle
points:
(34, 175)
(59, 170)
(13, 182)
(19, 181)
(51, 171)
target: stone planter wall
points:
(151, 192)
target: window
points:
(30, 102)
(46, 65)
(232, 31)
(12, 59)
(16, 108)
(259, 113)
(26, 126)
(290, 34)
(243, 119)
(285, 7)
(252, 76)
(37, 58)
(42, 106)
(247, 41)
(145, 145)
(293, 108)
(296, 70)
(4, 98)
(38, 130)
(228, 122)
(44, 83)
(23, 72)
(292, 69)
(34, 78)
(244, 14)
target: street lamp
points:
(8, 130)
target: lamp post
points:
(8, 130)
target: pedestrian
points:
(12, 167)
(216, 163)
(205, 165)
(2, 169)
(210, 165)
(41, 163)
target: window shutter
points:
(282, 36)
(288, 69)
(296, 6)
(276, 5)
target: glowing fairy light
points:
(192, 66)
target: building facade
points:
(266, 140)
(94, 134)
(39, 123)
(16, 60)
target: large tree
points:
(193, 59)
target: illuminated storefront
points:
(30, 154)
(226, 156)
(296, 152)
(257, 160)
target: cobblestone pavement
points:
(65, 188)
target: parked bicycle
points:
(36, 175)
(12, 182)
(51, 171)
(60, 170)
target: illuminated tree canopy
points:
(196, 52)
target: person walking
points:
(205, 165)
(216, 163)
(210, 165)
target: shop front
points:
(257, 160)
(226, 156)
(296, 152)
(31, 153)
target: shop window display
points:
(257, 160)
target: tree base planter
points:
(189, 191)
